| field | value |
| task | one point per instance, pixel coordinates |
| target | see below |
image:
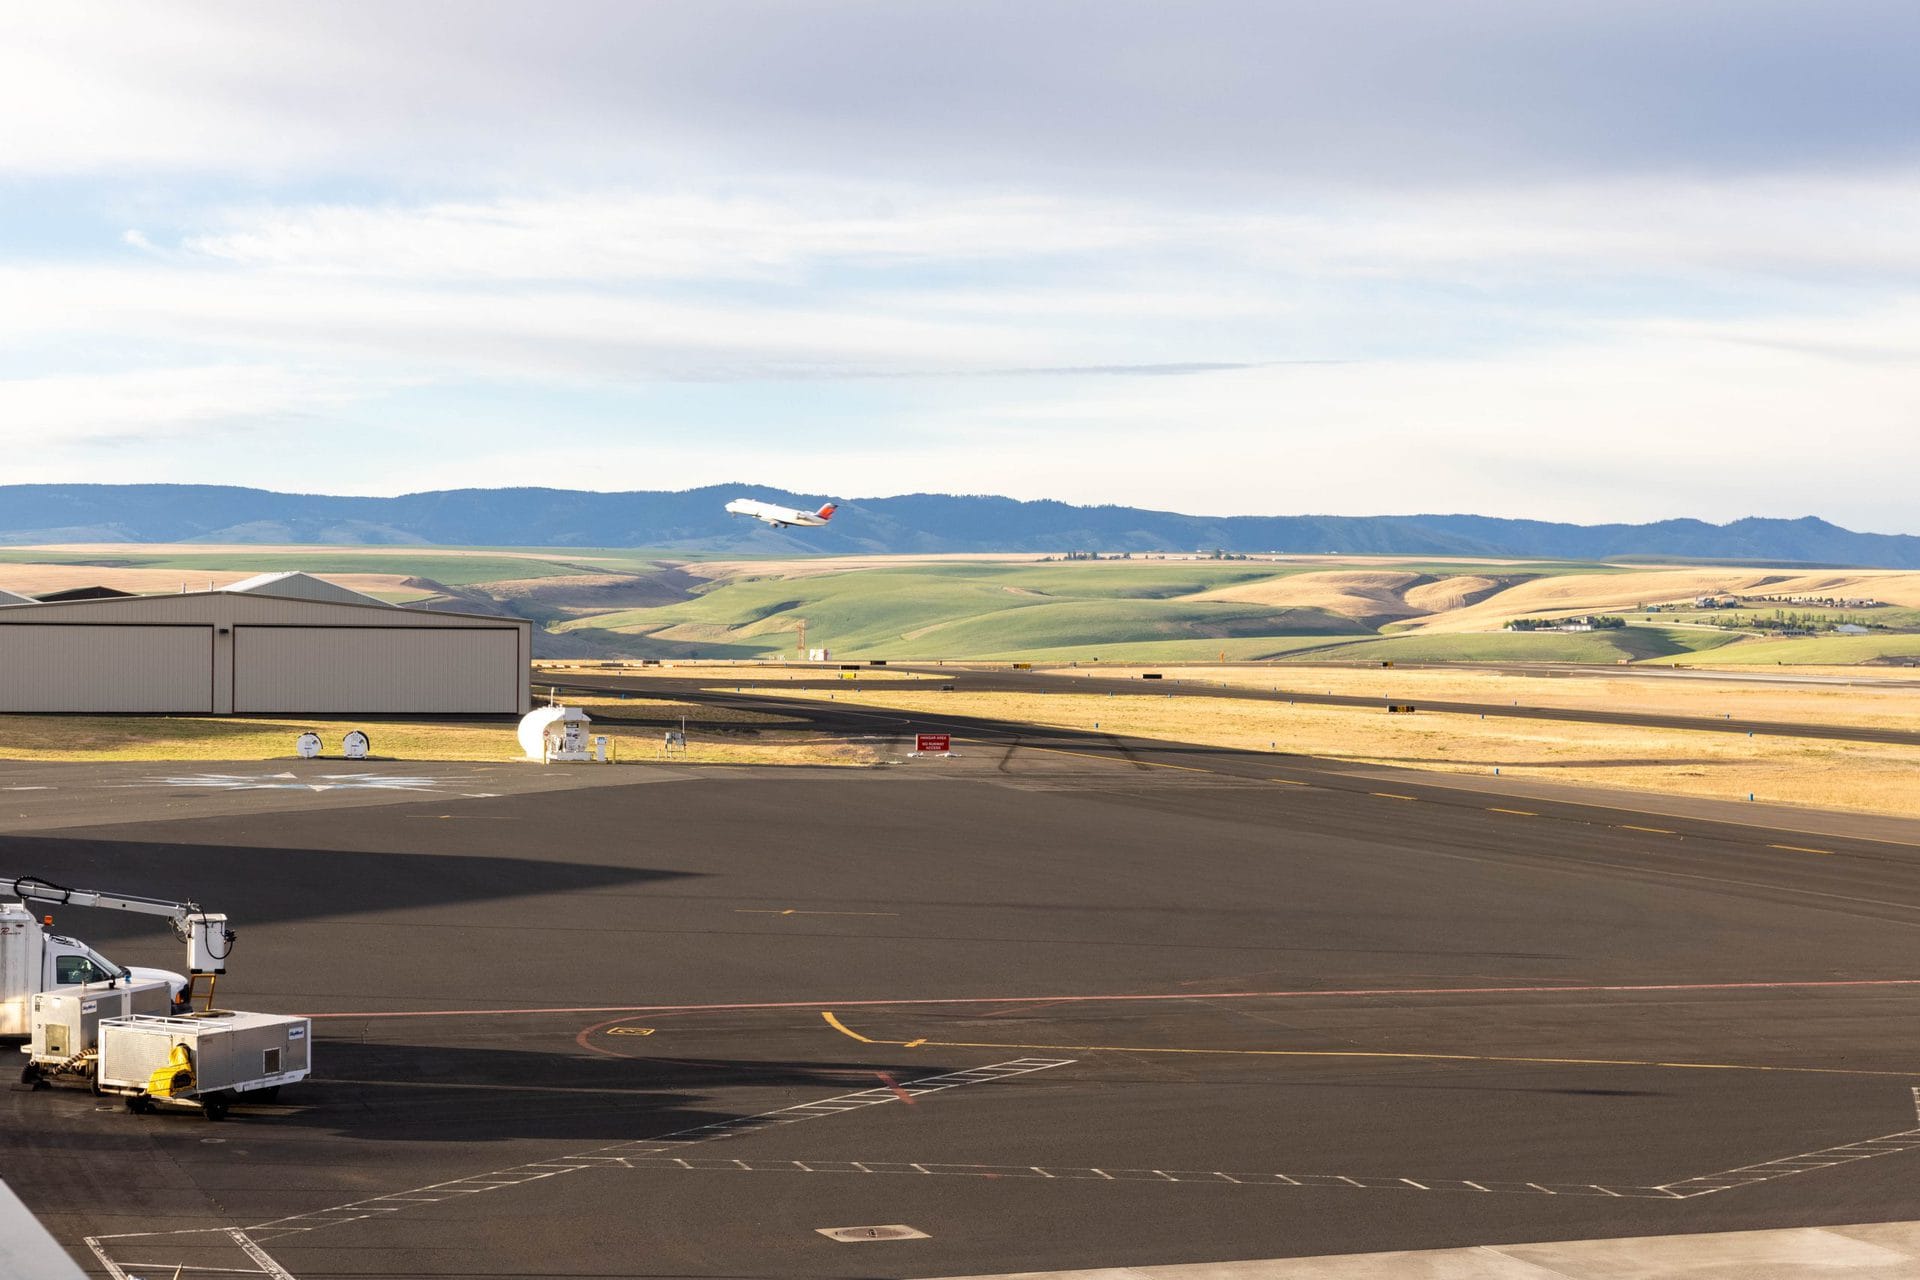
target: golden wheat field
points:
(1867, 778)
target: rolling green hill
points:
(636, 603)
(955, 610)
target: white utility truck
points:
(34, 958)
(134, 1032)
(54, 990)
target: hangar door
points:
(412, 670)
(106, 667)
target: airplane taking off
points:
(779, 517)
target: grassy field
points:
(30, 737)
(1865, 704)
(1632, 644)
(1850, 776)
(946, 610)
(1809, 650)
(1246, 649)
(723, 737)
(637, 603)
(1150, 610)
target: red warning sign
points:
(930, 743)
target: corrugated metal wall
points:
(189, 653)
(406, 670)
(106, 668)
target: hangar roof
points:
(10, 597)
(83, 593)
(302, 586)
(246, 608)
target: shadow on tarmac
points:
(423, 1093)
(256, 886)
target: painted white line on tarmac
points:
(616, 1156)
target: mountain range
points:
(693, 520)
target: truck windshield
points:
(88, 966)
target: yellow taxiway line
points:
(845, 1030)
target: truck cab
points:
(33, 958)
(73, 961)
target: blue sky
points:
(1575, 260)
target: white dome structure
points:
(554, 733)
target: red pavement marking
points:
(894, 1085)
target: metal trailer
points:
(65, 1023)
(212, 1060)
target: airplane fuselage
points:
(777, 516)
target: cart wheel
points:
(31, 1075)
(216, 1108)
(138, 1105)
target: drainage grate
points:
(861, 1235)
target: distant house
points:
(1852, 629)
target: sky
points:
(1587, 261)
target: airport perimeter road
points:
(1052, 1008)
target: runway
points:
(1054, 1003)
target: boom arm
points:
(208, 939)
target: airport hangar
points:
(277, 644)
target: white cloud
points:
(1277, 94)
(1645, 425)
(531, 332)
(1580, 260)
(601, 237)
(1808, 224)
(1642, 426)
(152, 406)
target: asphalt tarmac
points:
(1093, 1003)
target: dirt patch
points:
(1365, 595)
(1455, 593)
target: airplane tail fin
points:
(826, 512)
